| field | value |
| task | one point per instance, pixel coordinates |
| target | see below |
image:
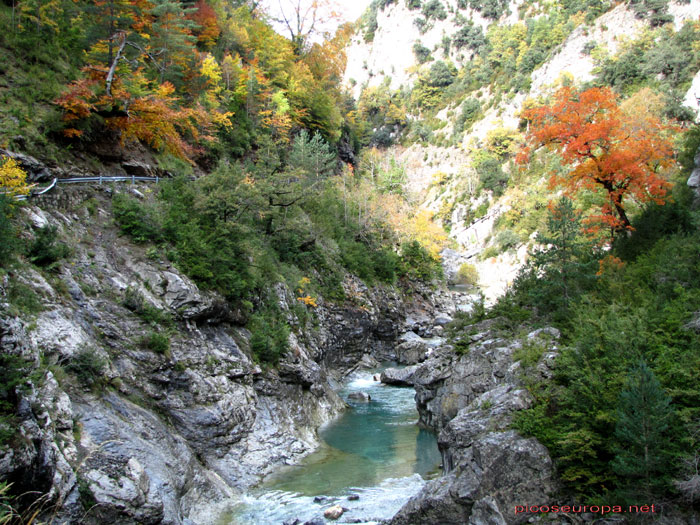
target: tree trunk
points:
(113, 67)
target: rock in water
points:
(363, 397)
(399, 376)
(334, 512)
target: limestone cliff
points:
(441, 169)
(471, 399)
(116, 429)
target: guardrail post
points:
(132, 179)
(156, 179)
(100, 179)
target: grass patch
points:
(157, 342)
(134, 301)
(23, 299)
(88, 366)
(529, 354)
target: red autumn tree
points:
(607, 148)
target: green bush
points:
(418, 264)
(490, 251)
(529, 354)
(656, 11)
(23, 298)
(468, 274)
(421, 52)
(654, 223)
(8, 234)
(470, 36)
(490, 8)
(158, 342)
(134, 301)
(13, 373)
(590, 416)
(434, 9)
(368, 263)
(491, 174)
(386, 265)
(269, 338)
(441, 74)
(369, 22)
(141, 222)
(88, 366)
(507, 240)
(471, 109)
(46, 250)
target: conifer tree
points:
(644, 415)
(313, 155)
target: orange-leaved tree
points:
(607, 148)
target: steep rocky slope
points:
(388, 58)
(117, 429)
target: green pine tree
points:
(564, 268)
(643, 418)
(313, 155)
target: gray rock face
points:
(167, 437)
(412, 349)
(694, 179)
(141, 169)
(488, 469)
(39, 459)
(451, 261)
(36, 170)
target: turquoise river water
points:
(374, 450)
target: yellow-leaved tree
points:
(13, 179)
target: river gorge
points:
(372, 459)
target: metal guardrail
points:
(77, 180)
(49, 187)
(100, 179)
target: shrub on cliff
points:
(140, 221)
(269, 338)
(8, 234)
(46, 250)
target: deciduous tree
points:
(303, 19)
(13, 179)
(607, 149)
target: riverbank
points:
(372, 459)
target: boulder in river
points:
(399, 376)
(334, 512)
(363, 397)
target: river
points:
(374, 451)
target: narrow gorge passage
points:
(375, 450)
